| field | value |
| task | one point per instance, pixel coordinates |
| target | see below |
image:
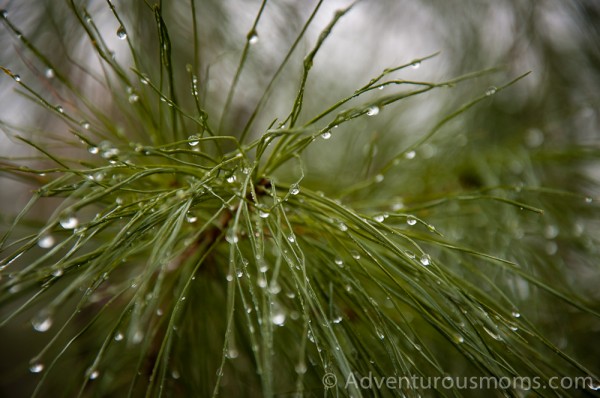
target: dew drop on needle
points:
(69, 222)
(36, 367)
(121, 33)
(373, 110)
(46, 242)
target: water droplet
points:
(381, 87)
(49, 73)
(410, 254)
(416, 65)
(17, 78)
(425, 259)
(355, 255)
(133, 98)
(300, 368)
(108, 152)
(239, 273)
(291, 238)
(119, 336)
(459, 339)
(253, 37)
(274, 288)
(145, 80)
(379, 218)
(294, 190)
(380, 334)
(534, 138)
(99, 176)
(379, 178)
(491, 91)
(69, 222)
(85, 125)
(594, 385)
(410, 155)
(94, 374)
(410, 220)
(516, 314)
(551, 248)
(4, 13)
(42, 322)
(399, 205)
(190, 217)
(58, 272)
(261, 282)
(36, 367)
(372, 110)
(193, 140)
(175, 374)
(121, 33)
(263, 214)
(339, 261)
(326, 135)
(232, 353)
(231, 179)
(60, 109)
(588, 200)
(343, 227)
(46, 241)
(229, 277)
(278, 317)
(551, 232)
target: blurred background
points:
(542, 132)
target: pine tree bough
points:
(202, 226)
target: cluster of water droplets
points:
(133, 96)
(491, 91)
(381, 217)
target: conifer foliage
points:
(206, 216)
